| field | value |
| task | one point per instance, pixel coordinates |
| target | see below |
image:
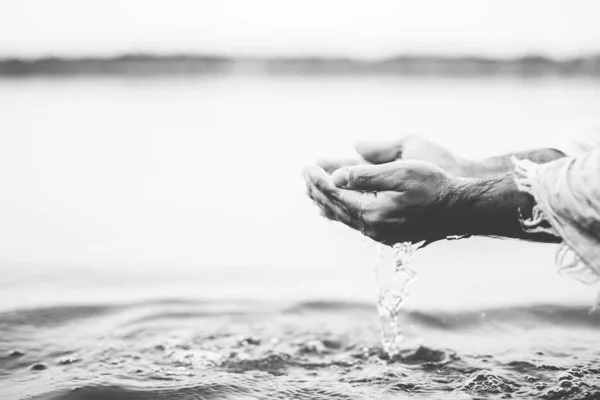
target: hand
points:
(390, 203)
(408, 148)
(418, 148)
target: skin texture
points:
(413, 189)
(419, 148)
(390, 203)
(415, 200)
(490, 207)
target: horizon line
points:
(148, 64)
(304, 56)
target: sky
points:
(359, 28)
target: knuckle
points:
(359, 179)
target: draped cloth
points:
(567, 195)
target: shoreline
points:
(407, 65)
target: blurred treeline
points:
(143, 64)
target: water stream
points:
(394, 279)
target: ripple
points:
(487, 382)
(314, 350)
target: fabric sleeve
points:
(582, 137)
(567, 193)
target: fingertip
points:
(379, 152)
(311, 170)
(328, 165)
(318, 178)
(341, 177)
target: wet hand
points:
(390, 203)
(407, 148)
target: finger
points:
(324, 210)
(324, 193)
(332, 210)
(327, 213)
(344, 204)
(348, 205)
(369, 177)
(331, 165)
(380, 152)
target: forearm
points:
(490, 207)
(500, 165)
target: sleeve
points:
(567, 194)
(580, 138)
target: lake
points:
(156, 242)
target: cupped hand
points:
(390, 203)
(407, 148)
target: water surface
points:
(156, 242)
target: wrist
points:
(458, 203)
(487, 207)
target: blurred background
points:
(153, 149)
(156, 240)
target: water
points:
(312, 350)
(394, 280)
(156, 242)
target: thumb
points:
(372, 178)
(380, 152)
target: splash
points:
(394, 280)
